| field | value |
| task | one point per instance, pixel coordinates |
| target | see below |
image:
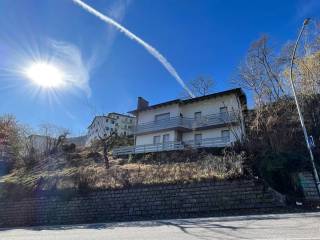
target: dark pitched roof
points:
(237, 91)
(108, 116)
(120, 114)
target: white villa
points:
(214, 120)
(102, 126)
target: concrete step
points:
(308, 186)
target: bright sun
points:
(45, 75)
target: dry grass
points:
(85, 171)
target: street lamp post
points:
(316, 176)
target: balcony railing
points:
(175, 145)
(187, 124)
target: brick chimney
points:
(142, 103)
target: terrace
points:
(188, 124)
(174, 145)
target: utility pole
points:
(306, 137)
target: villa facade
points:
(214, 120)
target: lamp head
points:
(306, 21)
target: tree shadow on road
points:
(201, 228)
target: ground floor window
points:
(165, 140)
(198, 139)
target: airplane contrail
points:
(154, 52)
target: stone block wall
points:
(152, 202)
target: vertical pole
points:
(315, 173)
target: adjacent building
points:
(214, 120)
(79, 141)
(104, 125)
(44, 144)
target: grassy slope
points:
(82, 170)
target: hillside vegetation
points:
(84, 171)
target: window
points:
(156, 139)
(125, 133)
(112, 122)
(165, 141)
(198, 139)
(107, 120)
(224, 113)
(107, 128)
(225, 134)
(163, 116)
(117, 124)
(197, 116)
(165, 138)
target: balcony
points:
(188, 124)
(170, 146)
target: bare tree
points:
(51, 136)
(199, 86)
(107, 142)
(235, 114)
(260, 72)
(60, 140)
(9, 137)
(12, 140)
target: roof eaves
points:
(196, 99)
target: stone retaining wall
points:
(153, 202)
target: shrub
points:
(97, 157)
(31, 159)
(230, 164)
(69, 148)
(85, 179)
(180, 156)
(277, 169)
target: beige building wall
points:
(149, 115)
(148, 138)
(210, 106)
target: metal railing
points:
(208, 142)
(187, 123)
(174, 145)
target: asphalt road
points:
(271, 226)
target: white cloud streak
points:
(132, 36)
(69, 59)
(117, 10)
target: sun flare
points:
(45, 75)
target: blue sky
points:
(198, 37)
